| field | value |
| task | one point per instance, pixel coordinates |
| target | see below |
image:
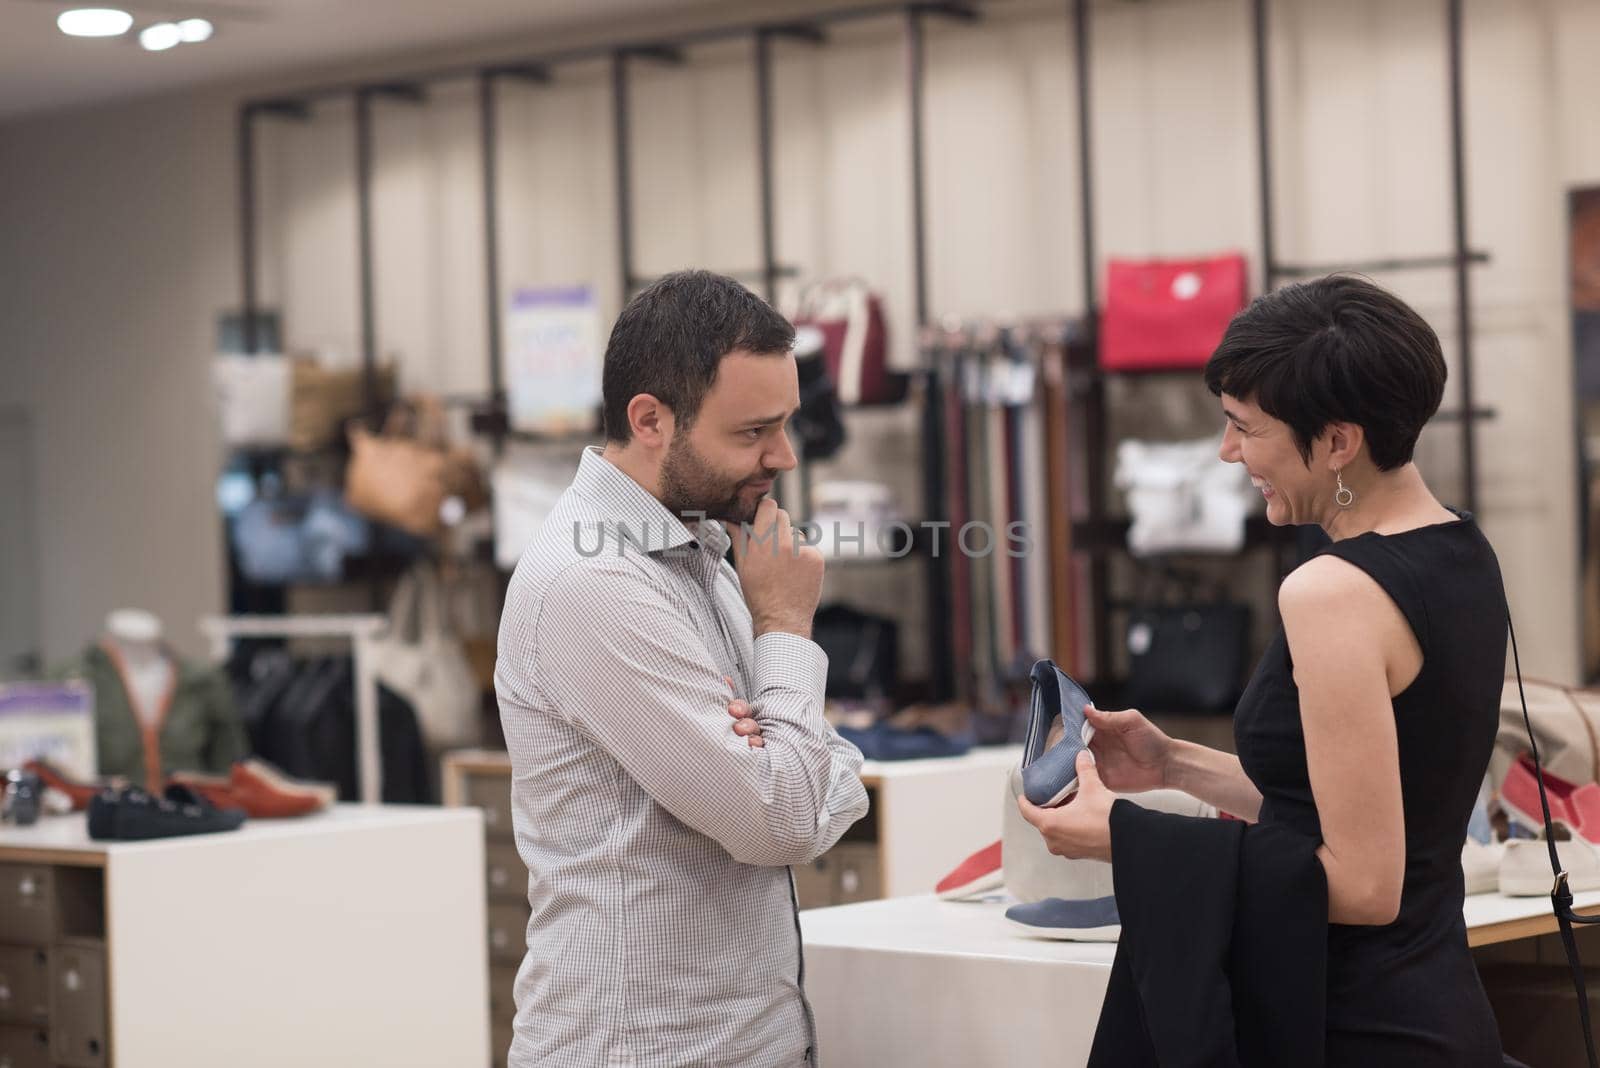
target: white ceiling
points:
(42, 69)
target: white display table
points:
(925, 983)
(355, 936)
(933, 814)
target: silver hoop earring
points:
(1342, 495)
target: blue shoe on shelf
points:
(1091, 920)
(1050, 776)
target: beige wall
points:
(120, 240)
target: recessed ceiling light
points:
(194, 31)
(160, 37)
(94, 22)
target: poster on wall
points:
(48, 721)
(553, 355)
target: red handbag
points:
(855, 341)
(1165, 315)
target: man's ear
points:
(1344, 443)
(651, 421)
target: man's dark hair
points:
(670, 339)
(1336, 349)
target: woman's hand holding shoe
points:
(1131, 753)
(1080, 829)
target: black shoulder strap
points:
(1560, 892)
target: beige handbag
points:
(1033, 873)
(1564, 721)
(322, 399)
(403, 476)
(421, 659)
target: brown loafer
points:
(258, 790)
(79, 793)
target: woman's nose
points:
(1228, 451)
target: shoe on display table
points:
(1480, 866)
(977, 875)
(1092, 920)
(260, 791)
(132, 814)
(1050, 775)
(1578, 806)
(1525, 867)
(79, 792)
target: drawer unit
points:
(500, 1043)
(508, 938)
(79, 1036)
(502, 991)
(492, 793)
(857, 872)
(24, 1047)
(24, 985)
(27, 904)
(505, 876)
(813, 883)
(482, 779)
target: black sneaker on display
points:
(132, 814)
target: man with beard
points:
(657, 828)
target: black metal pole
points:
(1080, 31)
(247, 225)
(939, 574)
(488, 121)
(1269, 248)
(369, 334)
(1469, 452)
(769, 240)
(619, 93)
(919, 254)
(1093, 396)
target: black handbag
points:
(1187, 655)
(862, 651)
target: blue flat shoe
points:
(1050, 776)
(1091, 920)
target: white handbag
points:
(1182, 498)
(1033, 873)
(422, 661)
(252, 398)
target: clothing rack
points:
(361, 631)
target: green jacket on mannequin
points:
(199, 729)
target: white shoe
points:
(1480, 865)
(1525, 868)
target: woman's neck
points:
(1390, 502)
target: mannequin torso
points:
(148, 673)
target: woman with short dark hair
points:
(1368, 725)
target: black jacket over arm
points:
(1223, 954)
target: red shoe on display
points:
(976, 875)
(1576, 806)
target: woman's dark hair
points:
(1335, 349)
(670, 338)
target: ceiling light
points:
(194, 31)
(160, 37)
(94, 22)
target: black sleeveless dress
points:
(1406, 994)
